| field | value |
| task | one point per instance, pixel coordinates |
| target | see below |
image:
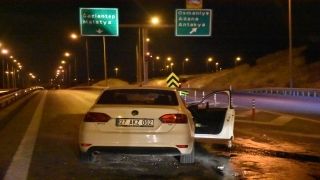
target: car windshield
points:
(138, 96)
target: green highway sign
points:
(193, 22)
(99, 22)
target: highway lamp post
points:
(57, 77)
(8, 77)
(171, 66)
(64, 75)
(150, 57)
(116, 69)
(209, 60)
(3, 51)
(7, 73)
(157, 58)
(31, 77)
(186, 60)
(217, 66)
(167, 67)
(74, 36)
(14, 81)
(75, 68)
(235, 62)
(168, 59)
(290, 43)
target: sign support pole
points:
(87, 54)
(144, 53)
(105, 59)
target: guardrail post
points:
(253, 109)
(202, 94)
(214, 99)
(195, 95)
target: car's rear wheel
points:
(87, 157)
(187, 158)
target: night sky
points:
(37, 34)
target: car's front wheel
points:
(87, 157)
(187, 158)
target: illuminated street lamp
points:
(74, 36)
(169, 59)
(155, 20)
(235, 62)
(75, 68)
(209, 60)
(116, 69)
(171, 66)
(3, 51)
(186, 60)
(217, 66)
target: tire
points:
(187, 158)
(87, 158)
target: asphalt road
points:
(40, 141)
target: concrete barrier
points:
(11, 97)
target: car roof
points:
(141, 87)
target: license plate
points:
(128, 122)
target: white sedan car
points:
(151, 121)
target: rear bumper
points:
(137, 143)
(165, 151)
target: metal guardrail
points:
(11, 97)
(286, 91)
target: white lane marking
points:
(246, 113)
(19, 166)
(282, 120)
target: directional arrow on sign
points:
(99, 31)
(173, 81)
(193, 30)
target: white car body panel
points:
(211, 122)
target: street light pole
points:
(290, 45)
(209, 60)
(3, 51)
(105, 60)
(235, 62)
(75, 70)
(186, 60)
(144, 53)
(2, 73)
(74, 36)
(87, 54)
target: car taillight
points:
(85, 145)
(96, 117)
(174, 118)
